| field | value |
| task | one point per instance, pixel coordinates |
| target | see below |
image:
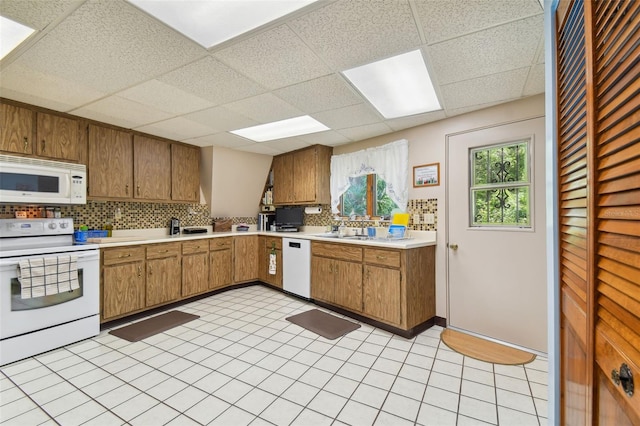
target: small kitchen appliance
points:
(34, 323)
(174, 226)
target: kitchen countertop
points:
(152, 236)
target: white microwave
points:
(33, 181)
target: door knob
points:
(453, 246)
(624, 377)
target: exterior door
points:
(496, 256)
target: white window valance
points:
(390, 162)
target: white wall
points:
(233, 181)
(427, 145)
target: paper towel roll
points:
(313, 210)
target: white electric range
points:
(29, 326)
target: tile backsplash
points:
(95, 214)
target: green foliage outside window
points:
(354, 200)
(500, 185)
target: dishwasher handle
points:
(294, 245)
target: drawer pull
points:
(380, 257)
(624, 377)
(163, 251)
(122, 256)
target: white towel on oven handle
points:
(49, 275)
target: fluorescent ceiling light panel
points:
(11, 35)
(397, 86)
(210, 22)
(296, 126)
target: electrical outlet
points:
(429, 218)
(416, 218)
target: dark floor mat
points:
(149, 327)
(324, 324)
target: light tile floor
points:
(242, 363)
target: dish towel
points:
(272, 264)
(47, 276)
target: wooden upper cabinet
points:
(302, 177)
(16, 128)
(152, 161)
(185, 173)
(283, 179)
(57, 137)
(110, 163)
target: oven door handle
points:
(84, 255)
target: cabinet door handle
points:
(44, 145)
(26, 144)
(122, 256)
(138, 189)
(126, 189)
(150, 270)
(139, 271)
(625, 376)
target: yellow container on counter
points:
(400, 219)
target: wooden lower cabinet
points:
(220, 272)
(123, 281)
(336, 274)
(393, 286)
(164, 276)
(195, 267)
(266, 246)
(245, 258)
(381, 288)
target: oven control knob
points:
(52, 225)
(63, 225)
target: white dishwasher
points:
(296, 266)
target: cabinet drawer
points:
(155, 251)
(270, 241)
(199, 246)
(122, 255)
(382, 257)
(337, 251)
(220, 243)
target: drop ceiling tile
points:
(264, 108)
(23, 84)
(320, 94)
(120, 112)
(259, 148)
(351, 116)
(415, 120)
(498, 49)
(212, 80)
(274, 58)
(221, 118)
(165, 97)
(535, 81)
(223, 139)
(177, 128)
(503, 87)
(328, 137)
(37, 13)
(442, 20)
(365, 132)
(459, 111)
(347, 33)
(286, 144)
(110, 45)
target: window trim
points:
(530, 142)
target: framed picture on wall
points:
(426, 175)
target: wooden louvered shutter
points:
(617, 200)
(598, 68)
(573, 220)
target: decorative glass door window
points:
(500, 187)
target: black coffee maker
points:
(174, 226)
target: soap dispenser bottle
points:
(342, 230)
